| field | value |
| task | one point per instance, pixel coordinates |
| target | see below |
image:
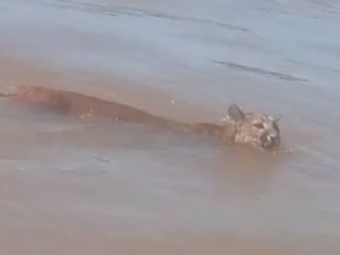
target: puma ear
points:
(235, 113)
(277, 118)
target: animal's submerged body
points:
(259, 130)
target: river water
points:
(78, 187)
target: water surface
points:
(80, 187)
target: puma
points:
(256, 129)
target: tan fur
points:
(239, 127)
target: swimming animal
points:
(250, 128)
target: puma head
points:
(256, 129)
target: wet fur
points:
(237, 128)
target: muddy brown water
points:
(84, 187)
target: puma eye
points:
(258, 125)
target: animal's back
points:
(81, 105)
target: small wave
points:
(261, 71)
(136, 12)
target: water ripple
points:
(136, 12)
(257, 70)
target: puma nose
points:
(269, 140)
